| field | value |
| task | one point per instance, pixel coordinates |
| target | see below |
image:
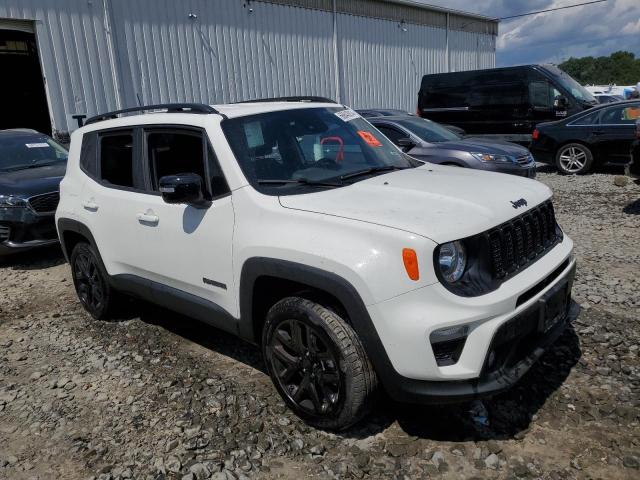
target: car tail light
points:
(418, 113)
(535, 134)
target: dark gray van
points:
(502, 102)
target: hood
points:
(438, 202)
(32, 181)
(483, 145)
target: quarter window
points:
(591, 119)
(116, 159)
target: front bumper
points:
(528, 171)
(21, 229)
(504, 337)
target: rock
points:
(492, 461)
(631, 461)
(621, 181)
(173, 464)
(200, 471)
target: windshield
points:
(428, 131)
(577, 90)
(292, 150)
(21, 151)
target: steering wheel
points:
(327, 163)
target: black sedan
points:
(431, 142)
(31, 167)
(601, 135)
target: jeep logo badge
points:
(519, 203)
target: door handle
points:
(148, 218)
(90, 205)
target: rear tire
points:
(318, 364)
(91, 282)
(574, 159)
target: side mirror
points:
(182, 188)
(406, 144)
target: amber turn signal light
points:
(410, 260)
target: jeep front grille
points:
(4, 233)
(45, 203)
(522, 240)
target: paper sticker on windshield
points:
(347, 115)
(37, 145)
(369, 138)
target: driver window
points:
(171, 153)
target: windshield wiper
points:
(26, 167)
(366, 171)
(298, 181)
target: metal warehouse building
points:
(59, 58)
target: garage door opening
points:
(22, 94)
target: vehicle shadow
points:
(198, 332)
(35, 259)
(508, 414)
(633, 208)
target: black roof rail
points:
(306, 98)
(169, 107)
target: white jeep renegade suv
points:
(296, 225)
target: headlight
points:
(490, 157)
(11, 201)
(452, 261)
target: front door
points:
(187, 247)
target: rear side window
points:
(89, 154)
(116, 159)
(621, 115)
(498, 95)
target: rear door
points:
(616, 131)
(112, 194)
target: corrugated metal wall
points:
(100, 55)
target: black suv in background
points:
(502, 102)
(31, 167)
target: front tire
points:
(574, 159)
(91, 282)
(318, 364)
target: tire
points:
(91, 282)
(574, 159)
(308, 348)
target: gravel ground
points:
(159, 396)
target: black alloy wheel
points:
(305, 367)
(88, 282)
(318, 364)
(92, 282)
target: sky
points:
(597, 30)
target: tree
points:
(620, 68)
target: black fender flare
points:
(70, 225)
(329, 282)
